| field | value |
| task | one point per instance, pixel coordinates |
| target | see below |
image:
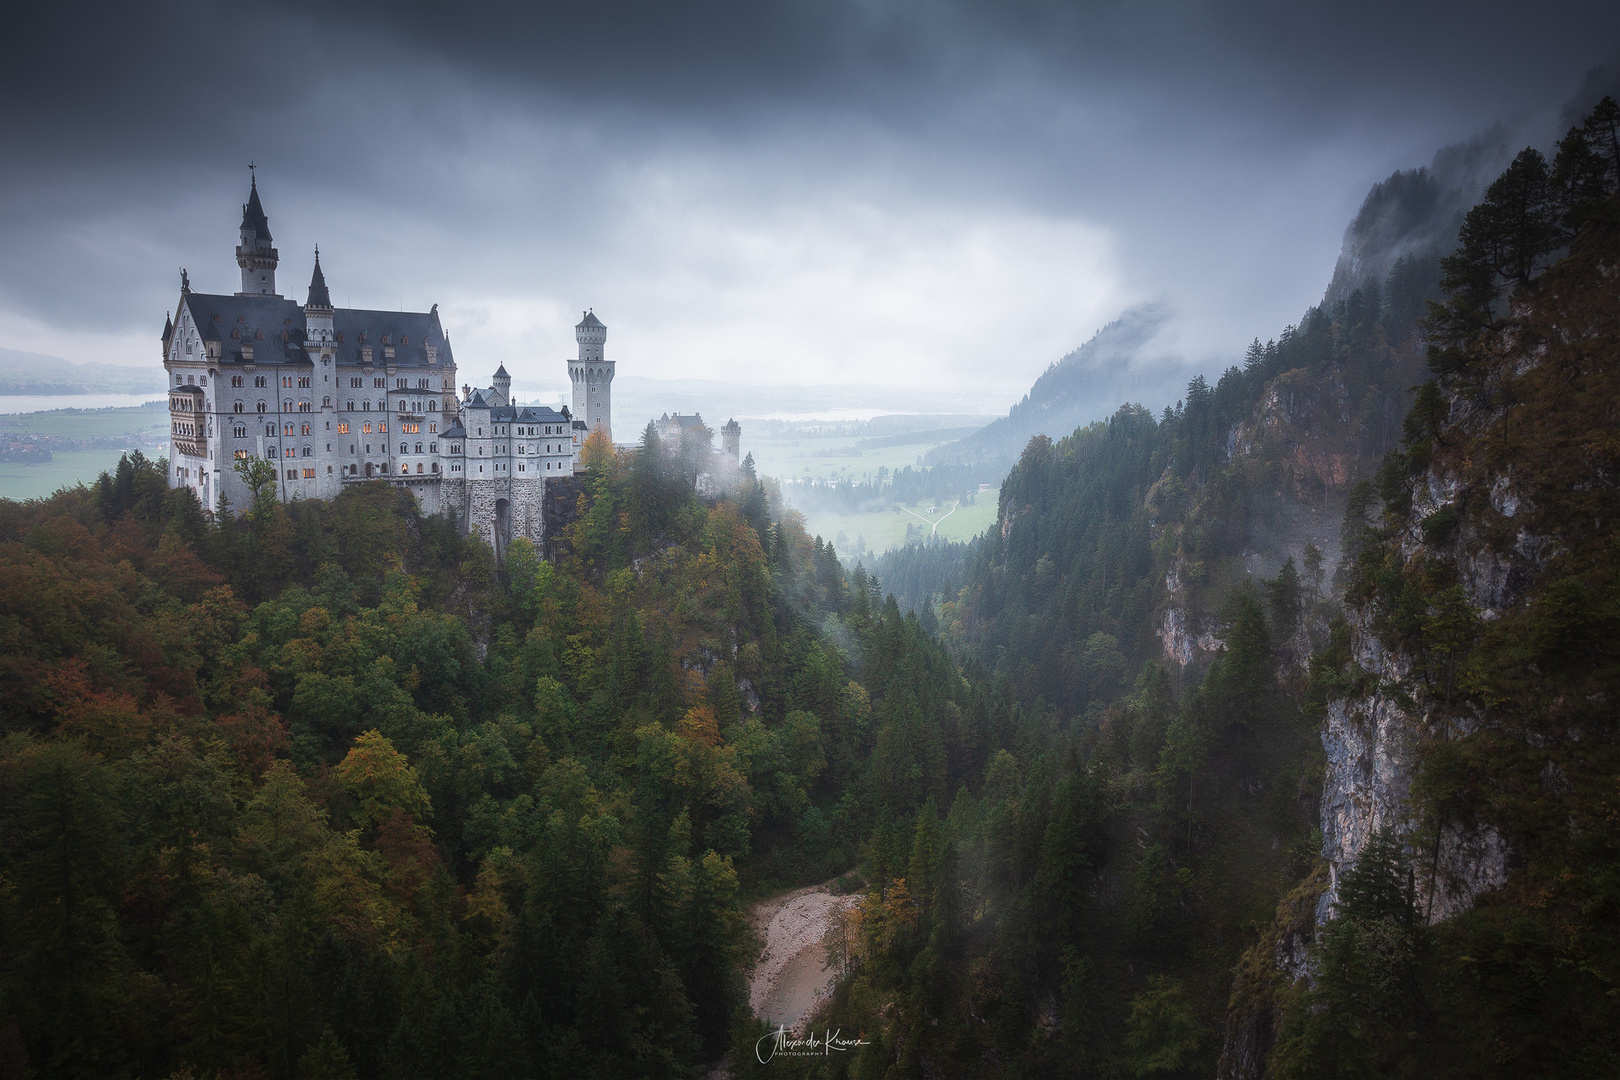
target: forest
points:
(322, 790)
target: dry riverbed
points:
(790, 978)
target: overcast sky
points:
(951, 195)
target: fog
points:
(853, 195)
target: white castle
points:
(336, 396)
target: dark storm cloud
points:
(822, 185)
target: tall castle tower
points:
(255, 255)
(592, 376)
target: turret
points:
(731, 443)
(503, 385)
(318, 308)
(254, 254)
(592, 376)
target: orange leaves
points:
(381, 779)
(255, 735)
(698, 725)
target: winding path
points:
(935, 524)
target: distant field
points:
(840, 457)
(883, 530)
(130, 427)
(65, 469)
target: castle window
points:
(306, 429)
(309, 474)
(349, 406)
(303, 381)
(432, 426)
(292, 474)
(410, 429)
(329, 470)
(261, 407)
(405, 339)
(366, 427)
(399, 384)
(421, 384)
(433, 405)
(402, 405)
(325, 401)
(258, 335)
(309, 451)
(433, 448)
(435, 466)
(340, 336)
(404, 449)
(286, 406)
(286, 380)
(365, 406)
(343, 427)
(382, 427)
(270, 429)
(240, 455)
(239, 431)
(235, 333)
(239, 406)
(289, 429)
(521, 468)
(236, 380)
(418, 448)
(289, 452)
(378, 383)
(258, 381)
(418, 466)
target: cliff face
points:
(1508, 502)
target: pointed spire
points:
(319, 296)
(253, 213)
(168, 328)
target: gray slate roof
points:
(409, 332)
(590, 320)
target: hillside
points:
(27, 373)
(1311, 673)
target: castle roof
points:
(263, 320)
(318, 294)
(253, 214)
(168, 328)
(590, 321)
(455, 431)
(500, 372)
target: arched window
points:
(366, 427)
(239, 406)
(306, 429)
(240, 431)
(261, 407)
(351, 406)
(365, 406)
(418, 448)
(289, 430)
(270, 429)
(433, 405)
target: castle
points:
(336, 396)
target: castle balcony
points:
(188, 423)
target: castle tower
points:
(255, 255)
(503, 385)
(318, 308)
(731, 444)
(592, 376)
